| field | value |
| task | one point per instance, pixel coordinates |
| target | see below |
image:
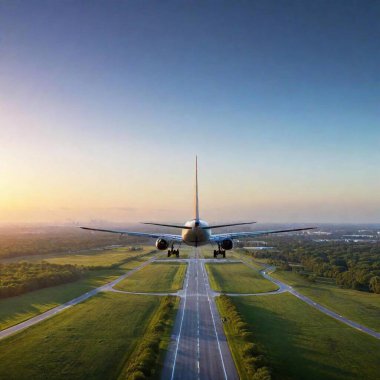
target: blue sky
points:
(105, 104)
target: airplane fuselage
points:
(196, 236)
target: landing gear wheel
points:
(215, 254)
(169, 253)
(224, 254)
(177, 253)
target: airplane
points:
(197, 232)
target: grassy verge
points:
(237, 278)
(92, 340)
(361, 307)
(156, 277)
(248, 356)
(302, 343)
(147, 359)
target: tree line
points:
(355, 266)
(46, 240)
(23, 277)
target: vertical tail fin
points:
(196, 190)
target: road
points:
(199, 349)
(41, 317)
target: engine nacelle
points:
(227, 244)
(162, 244)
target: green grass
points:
(237, 278)
(165, 336)
(148, 357)
(361, 307)
(156, 277)
(93, 340)
(15, 310)
(250, 362)
(240, 255)
(302, 343)
(92, 258)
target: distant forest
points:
(20, 278)
(45, 240)
(351, 265)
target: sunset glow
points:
(101, 118)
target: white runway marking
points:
(213, 321)
(199, 350)
(180, 328)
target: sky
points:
(104, 105)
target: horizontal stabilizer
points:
(169, 225)
(227, 225)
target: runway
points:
(199, 349)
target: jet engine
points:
(162, 244)
(227, 244)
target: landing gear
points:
(219, 251)
(173, 252)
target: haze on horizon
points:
(105, 104)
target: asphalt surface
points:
(41, 317)
(199, 349)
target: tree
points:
(374, 284)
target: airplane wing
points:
(236, 235)
(142, 234)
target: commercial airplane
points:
(197, 232)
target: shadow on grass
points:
(292, 353)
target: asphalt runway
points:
(199, 348)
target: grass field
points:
(90, 258)
(93, 340)
(18, 309)
(156, 277)
(237, 278)
(249, 358)
(239, 255)
(361, 307)
(302, 343)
